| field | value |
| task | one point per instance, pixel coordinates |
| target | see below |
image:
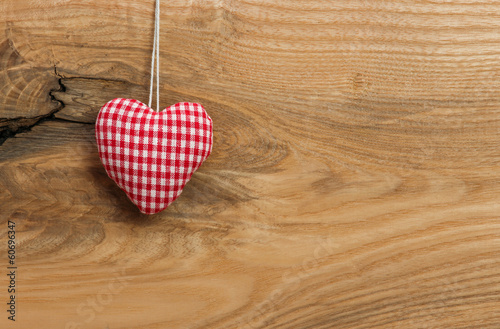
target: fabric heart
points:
(152, 155)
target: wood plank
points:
(354, 180)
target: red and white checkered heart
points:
(152, 155)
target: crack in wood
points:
(14, 126)
(24, 124)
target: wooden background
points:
(354, 180)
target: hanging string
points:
(156, 54)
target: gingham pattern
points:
(152, 155)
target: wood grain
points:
(354, 180)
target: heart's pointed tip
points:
(147, 209)
(146, 212)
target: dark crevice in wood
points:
(19, 125)
(60, 76)
(23, 124)
(12, 127)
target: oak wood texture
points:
(354, 180)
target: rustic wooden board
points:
(354, 180)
